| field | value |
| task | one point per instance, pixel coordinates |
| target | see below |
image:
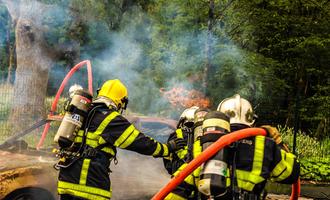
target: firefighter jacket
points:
(257, 159)
(177, 161)
(260, 158)
(88, 177)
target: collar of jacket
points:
(108, 102)
(236, 127)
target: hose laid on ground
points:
(208, 153)
(60, 90)
(295, 193)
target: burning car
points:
(28, 173)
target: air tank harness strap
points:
(73, 109)
(90, 152)
(234, 185)
(186, 154)
(88, 121)
(210, 138)
(246, 195)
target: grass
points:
(6, 91)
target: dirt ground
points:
(283, 197)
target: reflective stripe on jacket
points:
(174, 161)
(188, 187)
(257, 159)
(182, 153)
(260, 158)
(88, 177)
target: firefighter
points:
(189, 128)
(105, 129)
(183, 131)
(255, 160)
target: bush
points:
(315, 169)
(306, 146)
(314, 155)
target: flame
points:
(180, 97)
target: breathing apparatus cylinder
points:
(215, 171)
(198, 132)
(198, 122)
(76, 112)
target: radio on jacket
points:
(76, 112)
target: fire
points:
(181, 97)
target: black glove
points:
(176, 144)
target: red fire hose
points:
(208, 153)
(60, 90)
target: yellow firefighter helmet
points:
(238, 109)
(116, 91)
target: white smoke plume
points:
(127, 59)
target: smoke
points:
(147, 59)
(137, 176)
(146, 55)
(146, 52)
(126, 59)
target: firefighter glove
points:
(176, 144)
(273, 133)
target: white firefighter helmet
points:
(238, 109)
(187, 117)
(74, 88)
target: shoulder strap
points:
(88, 120)
(87, 123)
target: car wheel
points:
(30, 194)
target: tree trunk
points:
(33, 64)
(208, 46)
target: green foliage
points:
(306, 146)
(319, 104)
(4, 20)
(315, 169)
(60, 104)
(314, 155)
(296, 35)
